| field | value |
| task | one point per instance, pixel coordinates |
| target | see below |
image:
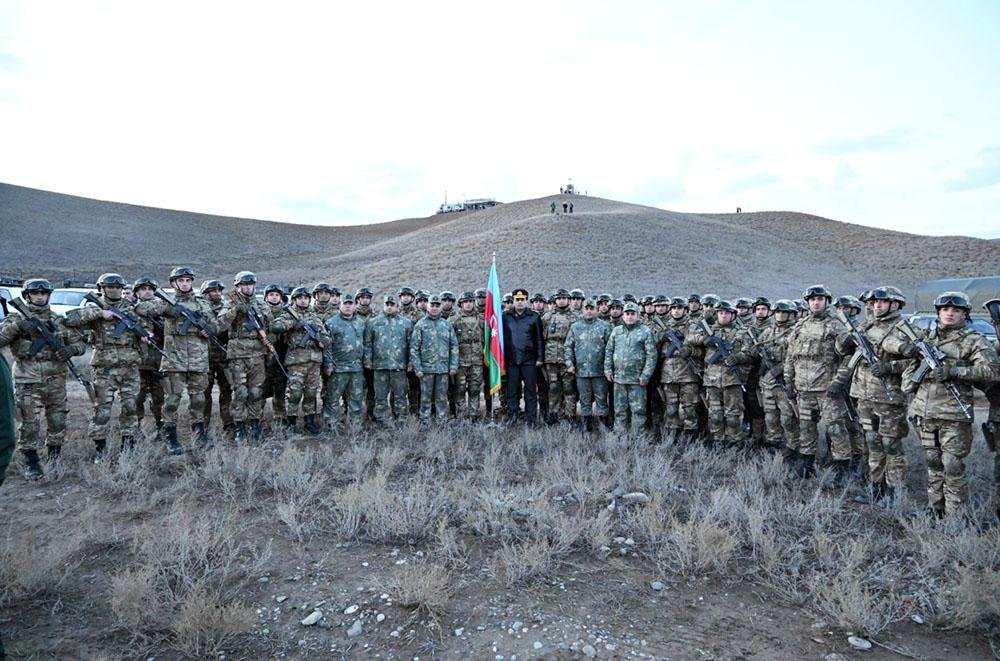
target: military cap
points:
(447, 296)
(709, 300)
(577, 293)
(508, 298)
(243, 278)
(181, 272)
(694, 298)
(817, 290)
(273, 287)
(629, 297)
(323, 286)
(762, 300)
(678, 302)
(467, 296)
(363, 291)
(145, 280)
(955, 299)
(112, 279)
(421, 295)
(520, 292)
(434, 299)
(300, 291)
(37, 284)
(537, 297)
(725, 306)
(604, 298)
(590, 303)
(209, 285)
(389, 299)
(630, 307)
(560, 293)
(405, 291)
(784, 305)
(615, 303)
(347, 298)
(480, 293)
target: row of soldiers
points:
(683, 368)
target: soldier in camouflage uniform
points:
(847, 404)
(150, 378)
(325, 303)
(434, 357)
(561, 384)
(811, 363)
(748, 319)
(487, 397)
(114, 361)
(724, 380)
(680, 375)
(991, 428)
(744, 312)
(447, 304)
(583, 356)
(343, 363)
(469, 380)
(387, 354)
(695, 312)
(604, 307)
(780, 419)
(39, 374)
(540, 305)
(363, 309)
(407, 309)
(615, 310)
(576, 299)
(945, 431)
(247, 354)
(629, 361)
(187, 366)
(275, 382)
(307, 339)
(218, 366)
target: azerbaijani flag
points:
(493, 331)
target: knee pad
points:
(255, 394)
(197, 400)
(953, 466)
(102, 416)
(57, 422)
(771, 418)
(171, 402)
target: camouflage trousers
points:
(434, 393)
(35, 400)
(392, 392)
(813, 407)
(562, 390)
(780, 423)
(680, 405)
(466, 391)
(630, 398)
(593, 392)
(946, 445)
(246, 376)
(855, 432)
(885, 428)
(369, 391)
(108, 381)
(304, 383)
(217, 376)
(150, 387)
(174, 384)
(725, 413)
(413, 384)
(275, 388)
(340, 385)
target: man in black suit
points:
(524, 352)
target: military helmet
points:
(244, 278)
(300, 291)
(615, 303)
(842, 302)
(447, 296)
(629, 297)
(991, 305)
(661, 299)
(709, 300)
(725, 306)
(955, 299)
(800, 306)
(336, 290)
(604, 298)
(273, 287)
(405, 291)
(694, 298)
(508, 298)
(112, 279)
(181, 272)
(880, 294)
(538, 296)
(856, 303)
(743, 303)
(630, 307)
(363, 291)
(678, 302)
(561, 293)
(817, 290)
(784, 305)
(762, 300)
(323, 286)
(421, 295)
(467, 296)
(647, 300)
(865, 295)
(209, 285)
(37, 284)
(145, 280)
(480, 293)
(897, 295)
(577, 293)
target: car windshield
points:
(66, 297)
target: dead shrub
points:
(202, 626)
(31, 567)
(423, 587)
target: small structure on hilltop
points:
(472, 204)
(568, 189)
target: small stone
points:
(384, 596)
(636, 497)
(263, 579)
(459, 631)
(629, 542)
(380, 617)
(517, 625)
(833, 656)
(619, 540)
(589, 651)
(657, 585)
(537, 645)
(281, 599)
(820, 624)
(351, 610)
(859, 643)
(355, 629)
(312, 618)
(916, 618)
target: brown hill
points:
(604, 246)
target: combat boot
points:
(841, 473)
(290, 422)
(199, 436)
(807, 466)
(240, 431)
(32, 467)
(609, 422)
(588, 423)
(170, 436)
(53, 453)
(310, 427)
(254, 428)
(100, 445)
(128, 442)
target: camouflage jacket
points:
(290, 325)
(411, 312)
(584, 347)
(244, 342)
(630, 355)
(970, 359)
(325, 311)
(774, 338)
(150, 357)
(676, 368)
(387, 342)
(43, 365)
(434, 346)
(721, 375)
(887, 342)
(215, 354)
(363, 311)
(109, 351)
(555, 328)
(811, 359)
(187, 352)
(469, 329)
(347, 344)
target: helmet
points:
(363, 291)
(678, 302)
(112, 279)
(629, 297)
(725, 306)
(897, 296)
(37, 284)
(990, 305)
(273, 287)
(865, 295)
(467, 296)
(817, 290)
(694, 298)
(561, 293)
(421, 295)
(743, 303)
(856, 303)
(447, 296)
(615, 303)
(145, 280)
(577, 293)
(181, 272)
(300, 291)
(762, 300)
(842, 302)
(405, 291)
(800, 306)
(955, 299)
(880, 294)
(209, 285)
(604, 298)
(784, 305)
(661, 300)
(480, 293)
(631, 307)
(647, 300)
(710, 300)
(508, 298)
(323, 286)
(538, 297)
(244, 278)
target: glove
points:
(27, 327)
(64, 354)
(944, 373)
(733, 359)
(684, 352)
(908, 350)
(836, 389)
(791, 391)
(777, 371)
(878, 369)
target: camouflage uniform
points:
(780, 421)
(469, 380)
(387, 353)
(150, 378)
(218, 374)
(434, 352)
(722, 382)
(562, 385)
(365, 312)
(275, 385)
(247, 357)
(629, 360)
(304, 362)
(583, 352)
(680, 385)
(345, 357)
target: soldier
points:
(524, 353)
(247, 354)
(561, 384)
(781, 422)
(694, 308)
(407, 309)
(708, 303)
(307, 339)
(481, 301)
(629, 360)
(434, 357)
(387, 354)
(615, 310)
(420, 300)
(991, 428)
(944, 427)
(39, 373)
(275, 382)
(647, 310)
(114, 361)
(507, 304)
(722, 377)
(469, 380)
(187, 348)
(363, 302)
(744, 312)
(538, 303)
(604, 307)
(583, 356)
(323, 295)
(577, 297)
(447, 304)
(342, 362)
(848, 404)
(150, 378)
(762, 312)
(680, 375)
(811, 363)
(218, 366)
(363, 309)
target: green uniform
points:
(583, 352)
(345, 356)
(218, 374)
(780, 422)
(434, 352)
(561, 384)
(387, 353)
(629, 360)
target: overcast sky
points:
(881, 113)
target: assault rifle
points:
(309, 328)
(723, 350)
(676, 341)
(127, 321)
(865, 352)
(255, 324)
(768, 363)
(192, 319)
(933, 358)
(47, 337)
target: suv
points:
(66, 299)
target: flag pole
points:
(493, 404)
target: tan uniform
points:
(562, 385)
(247, 356)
